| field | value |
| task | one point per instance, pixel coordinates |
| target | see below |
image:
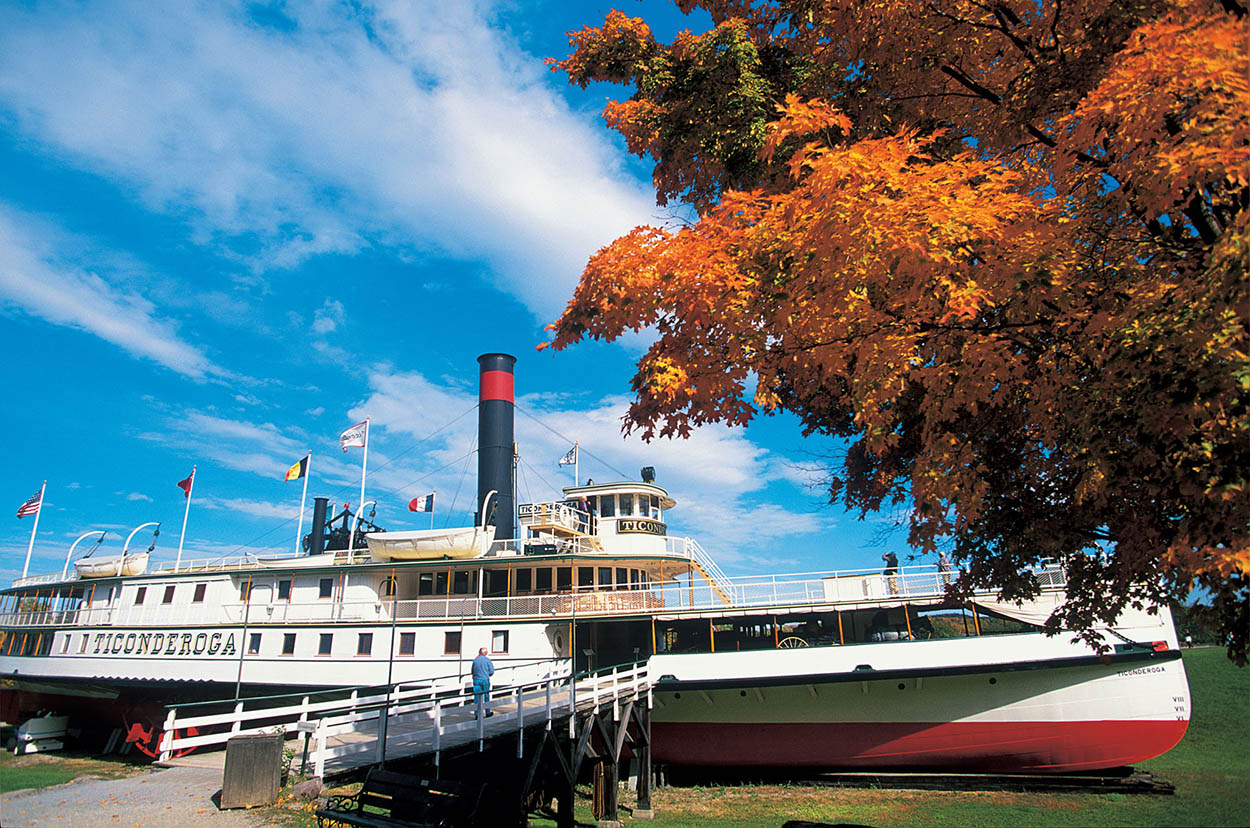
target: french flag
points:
(425, 503)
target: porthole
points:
(677, 695)
(993, 681)
(902, 686)
(742, 693)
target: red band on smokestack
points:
(496, 385)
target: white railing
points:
(910, 583)
(234, 563)
(358, 726)
(556, 514)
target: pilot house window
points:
(607, 506)
(627, 505)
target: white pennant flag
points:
(570, 459)
(354, 436)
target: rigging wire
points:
(343, 489)
(559, 492)
(463, 474)
(568, 439)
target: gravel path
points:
(168, 798)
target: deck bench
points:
(388, 799)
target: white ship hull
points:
(1009, 703)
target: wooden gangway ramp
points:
(337, 732)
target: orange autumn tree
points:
(999, 248)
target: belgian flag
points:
(297, 471)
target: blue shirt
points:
(483, 669)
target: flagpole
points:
(299, 532)
(577, 456)
(31, 546)
(185, 513)
(433, 497)
(364, 461)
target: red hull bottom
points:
(1040, 747)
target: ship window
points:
(288, 643)
(605, 577)
(542, 578)
(655, 507)
(440, 583)
(169, 595)
(564, 579)
(364, 645)
(325, 643)
(82, 645)
(325, 588)
(499, 641)
(140, 594)
(461, 585)
(451, 643)
(245, 590)
(495, 582)
(607, 506)
(407, 643)
(525, 580)
(585, 577)
(198, 597)
(65, 643)
(425, 583)
(634, 581)
(284, 589)
(622, 577)
(642, 578)
(253, 644)
(388, 587)
(627, 505)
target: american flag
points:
(32, 504)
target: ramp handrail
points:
(435, 713)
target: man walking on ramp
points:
(483, 669)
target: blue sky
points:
(229, 232)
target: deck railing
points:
(816, 588)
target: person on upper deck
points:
(891, 570)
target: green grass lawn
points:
(42, 770)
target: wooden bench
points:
(389, 799)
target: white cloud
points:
(328, 317)
(42, 275)
(138, 496)
(417, 125)
(253, 507)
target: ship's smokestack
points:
(495, 440)
(317, 535)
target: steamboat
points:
(823, 670)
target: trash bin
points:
(253, 770)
